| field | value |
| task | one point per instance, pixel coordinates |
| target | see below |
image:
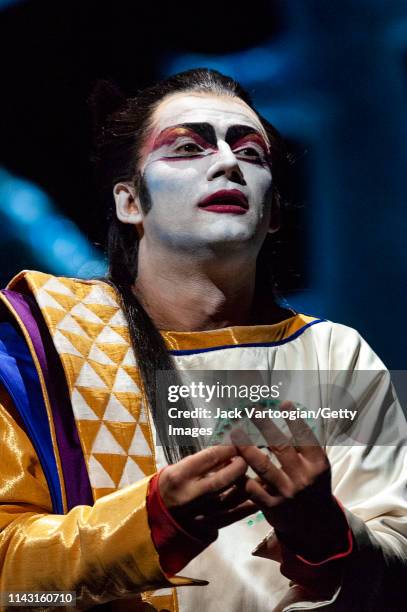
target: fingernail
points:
(238, 437)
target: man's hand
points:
(202, 492)
(295, 498)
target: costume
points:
(105, 551)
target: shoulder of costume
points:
(71, 305)
(33, 376)
(34, 282)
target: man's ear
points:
(128, 209)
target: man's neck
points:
(183, 293)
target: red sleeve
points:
(175, 546)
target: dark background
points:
(331, 75)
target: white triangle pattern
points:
(96, 354)
(105, 443)
(79, 310)
(46, 300)
(70, 325)
(139, 444)
(99, 478)
(131, 473)
(129, 359)
(124, 384)
(118, 319)
(53, 284)
(64, 345)
(98, 296)
(82, 411)
(88, 378)
(109, 336)
(116, 412)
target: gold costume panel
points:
(101, 552)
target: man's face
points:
(206, 169)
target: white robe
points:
(369, 479)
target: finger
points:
(222, 500)
(223, 478)
(234, 495)
(293, 464)
(261, 497)
(240, 437)
(271, 489)
(305, 440)
(283, 448)
(271, 433)
(204, 461)
(239, 482)
(264, 468)
(232, 515)
(288, 455)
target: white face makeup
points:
(206, 168)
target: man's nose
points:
(225, 164)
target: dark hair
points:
(121, 127)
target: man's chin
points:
(239, 235)
(231, 242)
(209, 240)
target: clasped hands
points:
(210, 490)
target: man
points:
(195, 198)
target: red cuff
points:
(325, 574)
(336, 556)
(175, 546)
(341, 555)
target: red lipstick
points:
(226, 201)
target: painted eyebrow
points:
(204, 130)
(236, 132)
(207, 133)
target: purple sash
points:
(77, 486)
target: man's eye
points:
(250, 152)
(189, 147)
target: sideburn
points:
(144, 193)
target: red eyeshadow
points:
(255, 138)
(170, 135)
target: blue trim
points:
(249, 344)
(20, 378)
